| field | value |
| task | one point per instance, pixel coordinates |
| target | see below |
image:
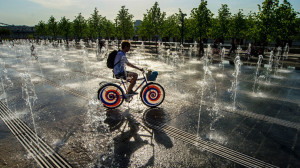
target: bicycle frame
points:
(124, 83)
(113, 94)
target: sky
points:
(30, 12)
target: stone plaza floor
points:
(206, 119)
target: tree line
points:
(275, 21)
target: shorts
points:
(121, 75)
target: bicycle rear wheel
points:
(111, 95)
(152, 94)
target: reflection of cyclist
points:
(120, 69)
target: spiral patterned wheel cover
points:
(111, 96)
(153, 95)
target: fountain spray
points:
(222, 58)
(206, 90)
(286, 51)
(237, 66)
(277, 59)
(269, 68)
(29, 95)
(257, 75)
(5, 81)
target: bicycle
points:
(112, 95)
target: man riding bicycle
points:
(112, 95)
(120, 68)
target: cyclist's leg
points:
(133, 77)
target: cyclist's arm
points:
(133, 66)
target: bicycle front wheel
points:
(111, 95)
(152, 94)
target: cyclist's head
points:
(125, 43)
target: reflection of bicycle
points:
(112, 95)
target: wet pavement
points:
(198, 125)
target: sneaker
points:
(132, 93)
(127, 97)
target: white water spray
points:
(257, 74)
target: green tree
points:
(95, 25)
(109, 30)
(215, 31)
(223, 21)
(124, 24)
(170, 27)
(297, 28)
(52, 27)
(191, 31)
(79, 27)
(202, 19)
(156, 19)
(181, 23)
(64, 26)
(145, 30)
(266, 15)
(252, 27)
(153, 23)
(30, 36)
(237, 27)
(285, 22)
(5, 33)
(41, 29)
